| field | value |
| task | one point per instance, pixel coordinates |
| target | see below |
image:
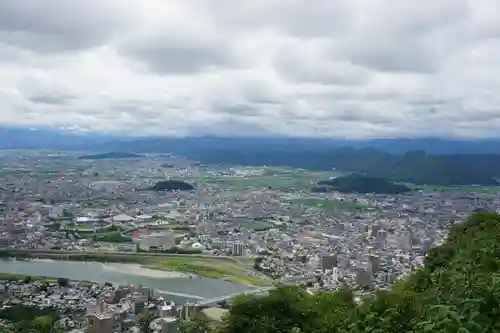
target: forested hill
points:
(458, 290)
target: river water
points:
(166, 283)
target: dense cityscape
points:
(253, 226)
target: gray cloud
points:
(288, 67)
(51, 100)
(167, 54)
(57, 25)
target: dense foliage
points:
(21, 319)
(458, 290)
(363, 184)
(172, 185)
(18, 313)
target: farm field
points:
(468, 189)
(329, 205)
(277, 180)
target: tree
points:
(197, 325)
(145, 321)
(63, 282)
(46, 324)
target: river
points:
(168, 284)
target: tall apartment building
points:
(328, 262)
(238, 249)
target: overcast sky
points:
(346, 68)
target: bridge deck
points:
(209, 301)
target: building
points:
(101, 322)
(169, 325)
(328, 262)
(364, 278)
(122, 218)
(374, 262)
(190, 311)
(238, 249)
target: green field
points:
(277, 180)
(111, 237)
(468, 189)
(81, 227)
(329, 205)
(235, 271)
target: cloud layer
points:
(355, 69)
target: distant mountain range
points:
(111, 155)
(419, 161)
(48, 138)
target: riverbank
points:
(139, 270)
(235, 271)
(177, 289)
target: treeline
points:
(458, 290)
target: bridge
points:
(210, 301)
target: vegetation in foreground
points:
(21, 318)
(457, 291)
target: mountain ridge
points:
(24, 137)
